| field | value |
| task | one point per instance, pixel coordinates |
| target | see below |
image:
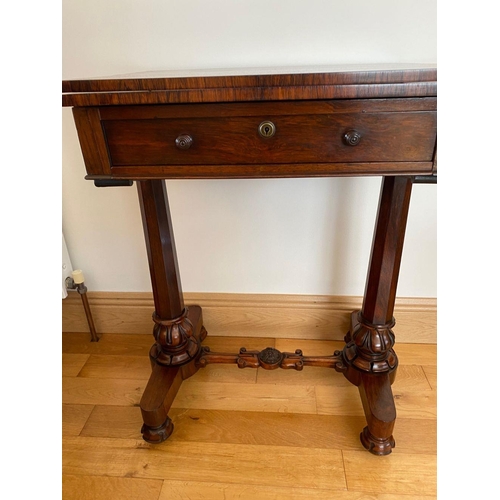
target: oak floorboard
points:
(408, 376)
(116, 422)
(291, 429)
(89, 391)
(73, 363)
(279, 466)
(260, 428)
(331, 400)
(416, 354)
(410, 403)
(236, 427)
(247, 397)
(415, 436)
(431, 374)
(191, 490)
(71, 342)
(109, 343)
(74, 418)
(109, 488)
(400, 473)
(308, 376)
(113, 366)
(411, 377)
(229, 374)
(415, 404)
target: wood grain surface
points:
(334, 83)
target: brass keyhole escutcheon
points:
(267, 129)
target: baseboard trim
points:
(314, 317)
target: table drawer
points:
(298, 138)
(228, 140)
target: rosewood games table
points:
(294, 122)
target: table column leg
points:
(178, 330)
(369, 353)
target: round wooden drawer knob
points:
(184, 141)
(352, 137)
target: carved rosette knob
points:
(184, 141)
(270, 358)
(352, 138)
(175, 344)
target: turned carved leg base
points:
(164, 383)
(374, 385)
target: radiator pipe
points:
(76, 282)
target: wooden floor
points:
(240, 434)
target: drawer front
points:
(297, 139)
(222, 140)
(300, 138)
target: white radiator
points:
(67, 267)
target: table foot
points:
(160, 392)
(156, 435)
(380, 411)
(375, 445)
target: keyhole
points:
(267, 129)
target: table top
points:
(254, 84)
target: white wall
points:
(305, 236)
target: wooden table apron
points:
(307, 124)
